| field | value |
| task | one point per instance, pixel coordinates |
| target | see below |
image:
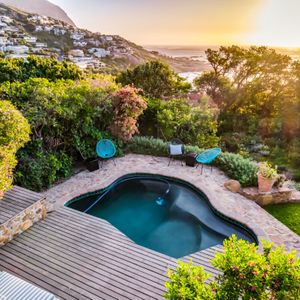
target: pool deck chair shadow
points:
(14, 288)
(176, 150)
(106, 149)
(207, 157)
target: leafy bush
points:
(127, 107)
(151, 146)
(14, 133)
(195, 125)
(237, 167)
(188, 283)
(246, 273)
(156, 79)
(147, 146)
(38, 169)
(19, 69)
(65, 116)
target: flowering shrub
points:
(14, 133)
(246, 274)
(127, 107)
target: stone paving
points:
(211, 183)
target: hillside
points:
(41, 7)
(23, 34)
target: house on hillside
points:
(30, 39)
(77, 36)
(99, 52)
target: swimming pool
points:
(161, 213)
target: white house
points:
(19, 49)
(79, 43)
(3, 40)
(77, 36)
(76, 53)
(99, 52)
(6, 19)
(30, 39)
(41, 45)
(59, 31)
(39, 28)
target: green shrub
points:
(188, 283)
(38, 169)
(155, 78)
(147, 146)
(14, 133)
(151, 146)
(245, 273)
(237, 167)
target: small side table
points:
(190, 159)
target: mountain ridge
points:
(41, 7)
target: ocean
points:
(198, 53)
(191, 52)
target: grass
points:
(288, 214)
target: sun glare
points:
(277, 24)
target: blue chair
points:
(207, 157)
(105, 149)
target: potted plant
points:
(266, 177)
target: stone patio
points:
(211, 183)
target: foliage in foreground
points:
(14, 133)
(246, 274)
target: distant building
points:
(6, 19)
(41, 45)
(30, 39)
(76, 53)
(3, 41)
(79, 43)
(77, 36)
(99, 52)
(59, 31)
(19, 49)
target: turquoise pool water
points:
(161, 214)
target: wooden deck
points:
(77, 256)
(16, 200)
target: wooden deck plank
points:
(77, 256)
(16, 200)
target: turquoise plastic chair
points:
(106, 149)
(207, 157)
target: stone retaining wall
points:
(278, 195)
(22, 221)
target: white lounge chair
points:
(14, 288)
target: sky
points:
(191, 22)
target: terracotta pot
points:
(265, 184)
(1, 194)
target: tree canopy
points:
(14, 133)
(156, 79)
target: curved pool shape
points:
(163, 214)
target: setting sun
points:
(276, 23)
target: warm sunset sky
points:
(191, 22)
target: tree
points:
(14, 133)
(19, 69)
(156, 79)
(252, 87)
(127, 107)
